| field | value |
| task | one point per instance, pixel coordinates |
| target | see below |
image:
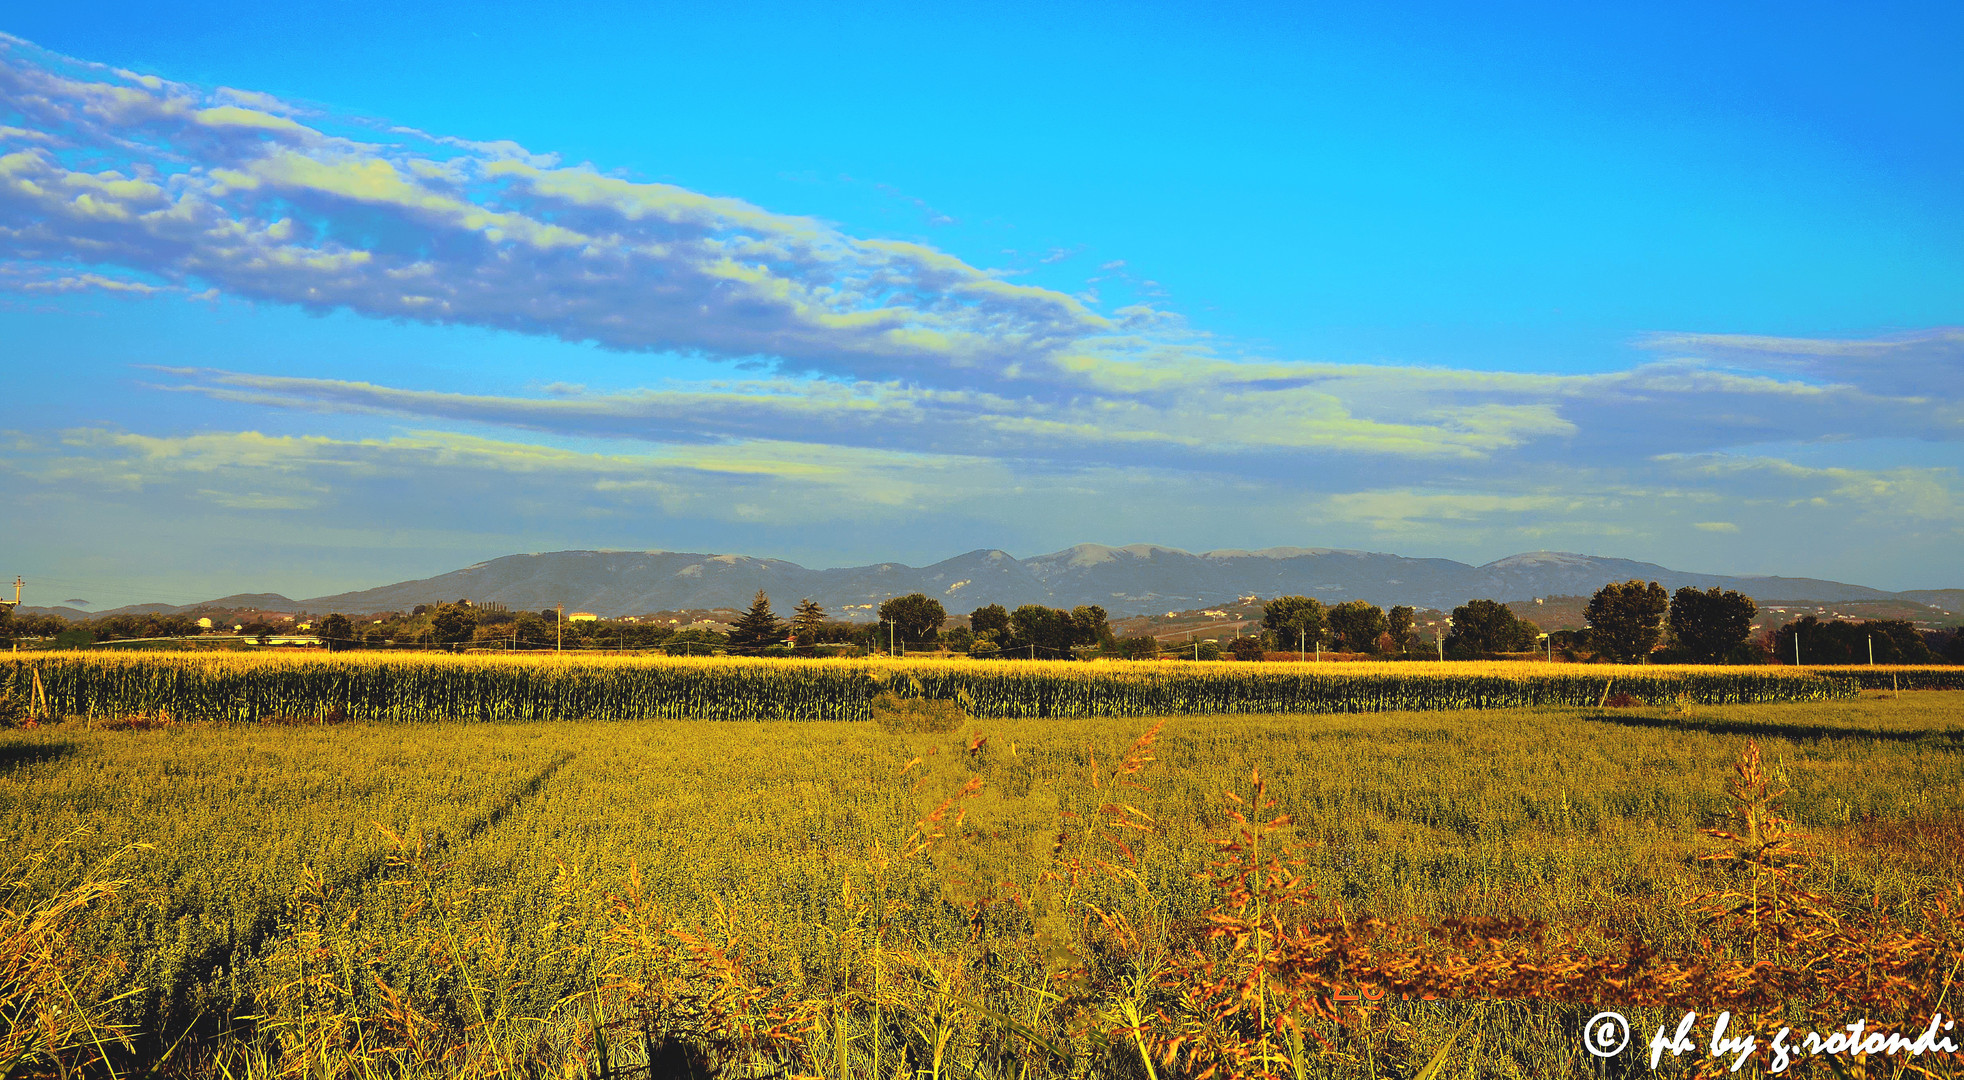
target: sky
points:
(314, 297)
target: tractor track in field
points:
(1766, 730)
(208, 966)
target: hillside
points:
(1135, 580)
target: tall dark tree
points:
(1481, 627)
(807, 621)
(916, 617)
(1626, 618)
(1712, 623)
(990, 620)
(1296, 621)
(758, 627)
(1356, 625)
(1401, 619)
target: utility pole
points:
(1796, 646)
(1439, 636)
(1302, 638)
(558, 627)
(1871, 650)
(17, 584)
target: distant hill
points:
(1139, 579)
(1135, 580)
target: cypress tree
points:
(757, 628)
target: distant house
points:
(582, 616)
(204, 624)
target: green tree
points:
(1142, 647)
(958, 639)
(1356, 625)
(1483, 626)
(1093, 625)
(337, 632)
(1296, 621)
(758, 627)
(1894, 641)
(1712, 623)
(807, 621)
(1626, 618)
(1400, 620)
(1246, 648)
(451, 623)
(916, 617)
(533, 630)
(990, 621)
(1041, 633)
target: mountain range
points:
(1137, 579)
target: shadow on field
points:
(1780, 731)
(26, 755)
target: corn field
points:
(1886, 677)
(429, 687)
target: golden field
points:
(1032, 897)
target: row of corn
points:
(431, 687)
(1885, 677)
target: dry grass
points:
(1034, 899)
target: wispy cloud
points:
(877, 342)
(239, 469)
(895, 377)
(1927, 365)
(190, 184)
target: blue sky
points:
(307, 298)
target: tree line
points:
(1626, 621)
